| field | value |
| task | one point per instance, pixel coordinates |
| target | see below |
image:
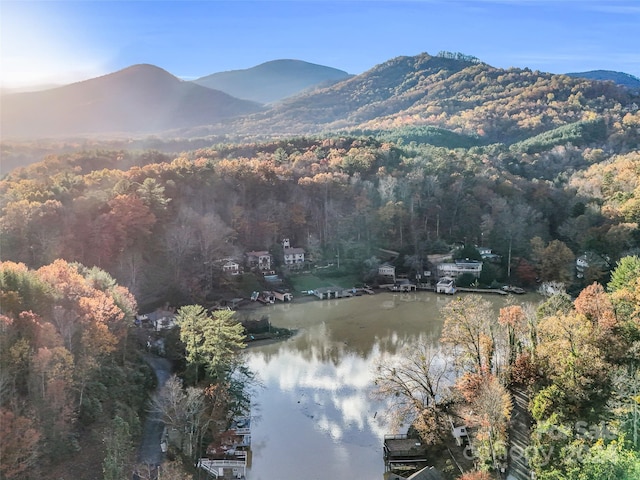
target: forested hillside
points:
(156, 226)
(465, 96)
(69, 376)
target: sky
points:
(58, 42)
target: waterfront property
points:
(403, 285)
(403, 453)
(387, 272)
(265, 297)
(446, 285)
(230, 455)
(460, 267)
(283, 295)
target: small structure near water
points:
(282, 295)
(446, 285)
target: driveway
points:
(150, 452)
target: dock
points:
(402, 287)
(481, 290)
(326, 293)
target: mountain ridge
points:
(456, 94)
(272, 81)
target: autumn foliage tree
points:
(467, 329)
(60, 326)
(19, 444)
(415, 387)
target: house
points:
(403, 451)
(259, 260)
(293, 257)
(230, 267)
(460, 434)
(591, 260)
(229, 456)
(488, 255)
(159, 319)
(388, 271)
(403, 285)
(460, 267)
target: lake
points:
(314, 417)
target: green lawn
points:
(308, 281)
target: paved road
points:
(149, 451)
(519, 431)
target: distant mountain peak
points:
(141, 98)
(273, 80)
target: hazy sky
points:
(65, 41)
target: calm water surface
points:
(314, 418)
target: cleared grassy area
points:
(248, 283)
(309, 281)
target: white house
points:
(460, 267)
(387, 270)
(230, 267)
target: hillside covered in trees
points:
(155, 220)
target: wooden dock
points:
(327, 293)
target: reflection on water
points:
(315, 417)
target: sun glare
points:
(38, 49)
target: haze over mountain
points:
(272, 81)
(138, 99)
(620, 78)
(449, 91)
